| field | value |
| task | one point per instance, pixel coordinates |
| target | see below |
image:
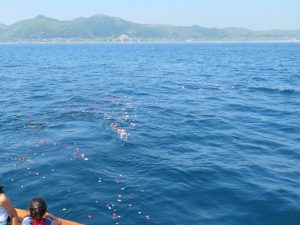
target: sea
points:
(153, 134)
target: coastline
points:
(153, 42)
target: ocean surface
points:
(160, 134)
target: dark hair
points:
(37, 208)
(1, 189)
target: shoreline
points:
(154, 42)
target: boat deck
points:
(22, 213)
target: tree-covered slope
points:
(105, 28)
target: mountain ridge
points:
(105, 28)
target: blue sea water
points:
(135, 134)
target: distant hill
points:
(104, 28)
(2, 26)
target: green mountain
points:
(105, 28)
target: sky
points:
(252, 14)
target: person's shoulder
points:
(27, 220)
(3, 197)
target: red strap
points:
(39, 222)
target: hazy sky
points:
(253, 14)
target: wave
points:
(275, 90)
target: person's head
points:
(1, 189)
(37, 208)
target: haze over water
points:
(153, 134)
